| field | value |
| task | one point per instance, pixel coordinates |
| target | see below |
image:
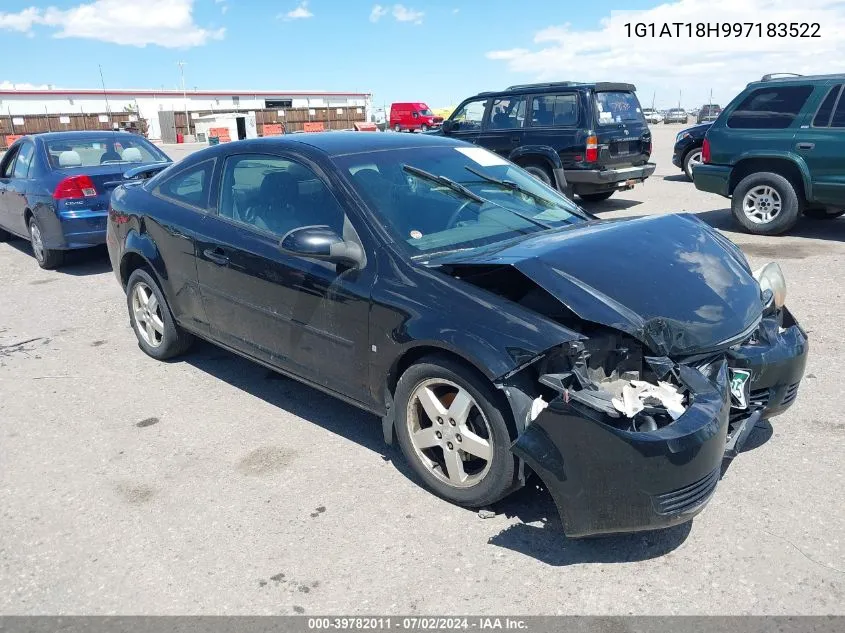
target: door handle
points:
(806, 145)
(216, 256)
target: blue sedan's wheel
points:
(47, 258)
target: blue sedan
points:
(55, 187)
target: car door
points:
(7, 166)
(468, 120)
(821, 143)
(17, 187)
(301, 315)
(504, 130)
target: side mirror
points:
(449, 126)
(320, 242)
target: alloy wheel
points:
(37, 241)
(148, 315)
(762, 204)
(693, 161)
(450, 433)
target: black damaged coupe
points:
(499, 331)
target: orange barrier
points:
(273, 129)
(313, 126)
(366, 127)
(221, 133)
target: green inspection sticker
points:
(740, 387)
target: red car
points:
(413, 117)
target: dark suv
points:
(584, 139)
(778, 150)
(709, 112)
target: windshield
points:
(102, 149)
(617, 107)
(426, 112)
(447, 198)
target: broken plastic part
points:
(637, 395)
(537, 407)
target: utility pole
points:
(185, 96)
(105, 94)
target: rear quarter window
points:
(770, 108)
(617, 107)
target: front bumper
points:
(606, 480)
(713, 178)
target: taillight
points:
(592, 149)
(75, 187)
(705, 151)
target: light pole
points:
(185, 97)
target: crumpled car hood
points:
(670, 281)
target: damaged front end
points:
(622, 441)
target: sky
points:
(436, 51)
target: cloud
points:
(377, 13)
(166, 23)
(403, 14)
(8, 85)
(301, 12)
(665, 66)
(400, 13)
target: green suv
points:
(778, 150)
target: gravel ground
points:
(208, 485)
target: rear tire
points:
(540, 173)
(156, 330)
(481, 429)
(765, 203)
(823, 214)
(47, 258)
(397, 128)
(596, 197)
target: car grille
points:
(686, 498)
(760, 397)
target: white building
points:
(148, 103)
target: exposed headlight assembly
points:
(770, 277)
(681, 135)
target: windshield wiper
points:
(508, 184)
(446, 182)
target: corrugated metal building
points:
(148, 103)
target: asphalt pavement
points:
(210, 485)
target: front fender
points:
(792, 157)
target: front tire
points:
(423, 128)
(157, 333)
(47, 258)
(452, 431)
(596, 197)
(765, 203)
(693, 158)
(397, 128)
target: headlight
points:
(681, 135)
(770, 277)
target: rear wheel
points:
(595, 197)
(540, 173)
(452, 432)
(823, 214)
(150, 317)
(765, 203)
(397, 128)
(47, 258)
(692, 160)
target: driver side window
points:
(470, 115)
(276, 195)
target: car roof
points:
(80, 134)
(797, 79)
(556, 85)
(339, 143)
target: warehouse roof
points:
(178, 93)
